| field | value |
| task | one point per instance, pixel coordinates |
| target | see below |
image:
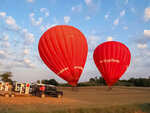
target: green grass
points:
(135, 108)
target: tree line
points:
(96, 81)
(99, 81)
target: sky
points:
(22, 22)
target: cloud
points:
(125, 27)
(122, 13)
(6, 44)
(148, 53)
(87, 18)
(46, 14)
(147, 14)
(93, 42)
(35, 23)
(109, 38)
(106, 16)
(116, 22)
(12, 23)
(42, 9)
(77, 8)
(93, 5)
(28, 63)
(87, 2)
(3, 14)
(28, 37)
(132, 9)
(66, 19)
(45, 10)
(142, 46)
(30, 1)
(2, 54)
(7, 53)
(51, 26)
(126, 2)
(26, 51)
(117, 19)
(147, 33)
(4, 36)
(42, 28)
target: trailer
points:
(13, 94)
(16, 89)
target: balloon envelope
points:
(112, 60)
(64, 50)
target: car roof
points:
(45, 85)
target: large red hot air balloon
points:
(64, 50)
(112, 60)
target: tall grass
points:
(136, 108)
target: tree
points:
(102, 81)
(50, 81)
(38, 82)
(53, 82)
(92, 80)
(6, 77)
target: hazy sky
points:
(22, 22)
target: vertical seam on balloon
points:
(103, 56)
(116, 56)
(106, 64)
(122, 55)
(54, 58)
(82, 53)
(71, 40)
(124, 66)
(45, 40)
(76, 56)
(67, 52)
(45, 57)
(77, 52)
(60, 50)
(62, 54)
(97, 57)
(109, 57)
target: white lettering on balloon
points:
(109, 60)
(62, 70)
(75, 67)
(78, 67)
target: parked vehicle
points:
(43, 90)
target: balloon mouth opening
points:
(73, 83)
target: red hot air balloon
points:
(112, 60)
(64, 50)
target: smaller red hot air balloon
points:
(112, 59)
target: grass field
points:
(85, 100)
